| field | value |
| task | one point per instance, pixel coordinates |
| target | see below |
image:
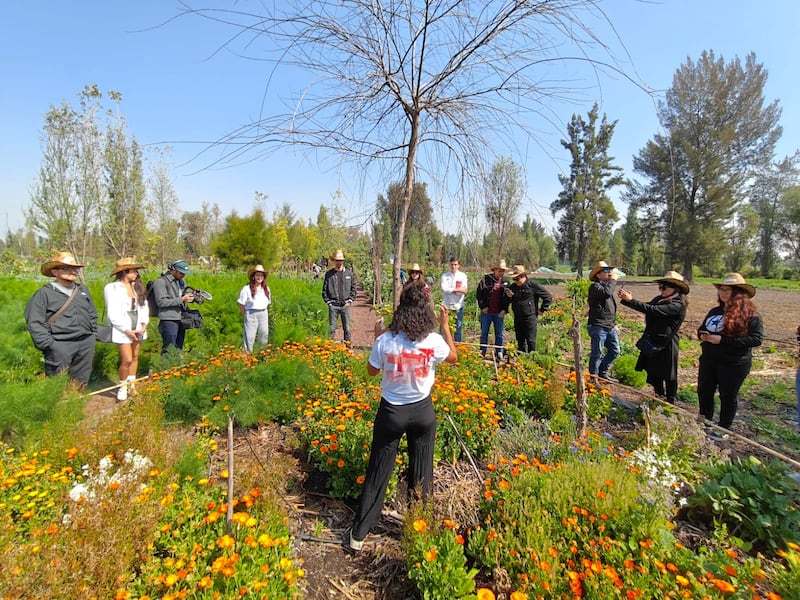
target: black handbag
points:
(192, 319)
(648, 348)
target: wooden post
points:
(580, 390)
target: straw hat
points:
(338, 256)
(601, 264)
(736, 280)
(256, 269)
(674, 279)
(61, 259)
(500, 264)
(517, 271)
(415, 267)
(126, 264)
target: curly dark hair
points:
(414, 314)
(738, 312)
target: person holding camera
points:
(491, 302)
(170, 298)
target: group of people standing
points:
(727, 335)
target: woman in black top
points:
(728, 334)
(663, 316)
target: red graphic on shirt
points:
(410, 364)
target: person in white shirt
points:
(406, 353)
(128, 314)
(253, 301)
(454, 288)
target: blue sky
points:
(177, 90)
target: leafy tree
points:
(766, 197)
(741, 237)
(164, 213)
(246, 241)
(718, 135)
(198, 229)
(588, 212)
(67, 194)
(412, 85)
(504, 190)
(789, 223)
(122, 219)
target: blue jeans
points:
(602, 337)
(488, 319)
(334, 312)
(459, 323)
(172, 334)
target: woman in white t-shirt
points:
(406, 353)
(253, 302)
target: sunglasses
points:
(606, 270)
(663, 287)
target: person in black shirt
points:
(602, 324)
(339, 293)
(528, 300)
(491, 302)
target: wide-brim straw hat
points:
(126, 264)
(500, 264)
(415, 267)
(736, 280)
(61, 259)
(256, 269)
(338, 256)
(674, 279)
(601, 264)
(517, 271)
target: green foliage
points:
(755, 501)
(435, 559)
(785, 576)
(26, 408)
(247, 241)
(625, 370)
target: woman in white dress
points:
(253, 302)
(128, 315)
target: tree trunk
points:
(408, 192)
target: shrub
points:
(625, 370)
(755, 501)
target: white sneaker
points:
(355, 544)
(122, 391)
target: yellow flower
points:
(420, 525)
(519, 596)
(430, 555)
(485, 594)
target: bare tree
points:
(423, 84)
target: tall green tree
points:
(164, 213)
(587, 212)
(719, 134)
(766, 197)
(789, 224)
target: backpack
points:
(151, 299)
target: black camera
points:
(199, 296)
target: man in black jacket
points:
(490, 295)
(339, 293)
(528, 300)
(170, 301)
(603, 330)
(62, 320)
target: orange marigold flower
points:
(340, 463)
(430, 555)
(459, 539)
(420, 525)
(485, 594)
(723, 586)
(360, 480)
(519, 596)
(730, 570)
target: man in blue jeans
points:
(489, 296)
(170, 301)
(602, 321)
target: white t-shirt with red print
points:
(408, 367)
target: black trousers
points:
(418, 422)
(728, 378)
(525, 330)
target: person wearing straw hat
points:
(490, 295)
(728, 334)
(415, 273)
(602, 324)
(254, 298)
(62, 320)
(169, 304)
(528, 300)
(663, 316)
(339, 293)
(128, 314)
